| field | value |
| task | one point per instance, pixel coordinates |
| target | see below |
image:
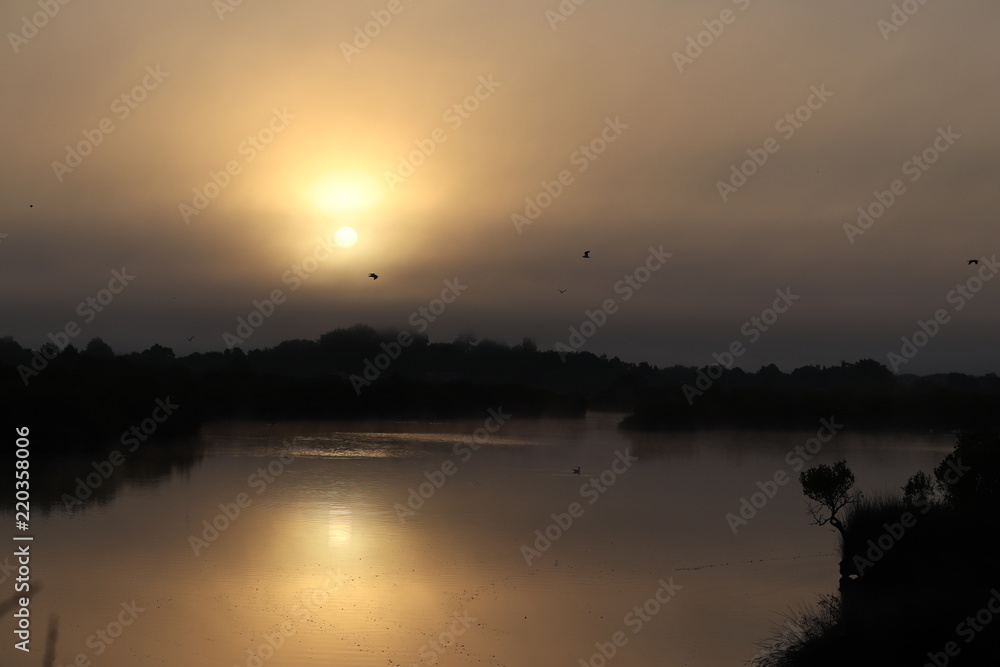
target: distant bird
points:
(586, 254)
(373, 276)
(190, 339)
(576, 471)
(562, 291)
(973, 261)
(31, 206)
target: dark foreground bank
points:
(920, 574)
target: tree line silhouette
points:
(84, 396)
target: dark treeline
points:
(863, 395)
(85, 406)
(81, 398)
(85, 396)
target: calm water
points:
(319, 568)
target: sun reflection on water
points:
(340, 526)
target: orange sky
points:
(206, 147)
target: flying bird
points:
(586, 254)
(562, 291)
(190, 339)
(576, 471)
(373, 276)
(973, 261)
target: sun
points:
(345, 237)
(347, 192)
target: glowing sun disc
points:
(345, 237)
(347, 192)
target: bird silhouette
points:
(562, 291)
(973, 261)
(190, 339)
(373, 276)
(576, 471)
(586, 254)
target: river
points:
(457, 543)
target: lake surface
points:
(321, 567)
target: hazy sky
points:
(630, 123)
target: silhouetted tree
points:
(467, 337)
(11, 353)
(237, 359)
(69, 356)
(830, 490)
(969, 476)
(920, 486)
(157, 355)
(528, 346)
(770, 373)
(98, 349)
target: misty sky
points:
(206, 149)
